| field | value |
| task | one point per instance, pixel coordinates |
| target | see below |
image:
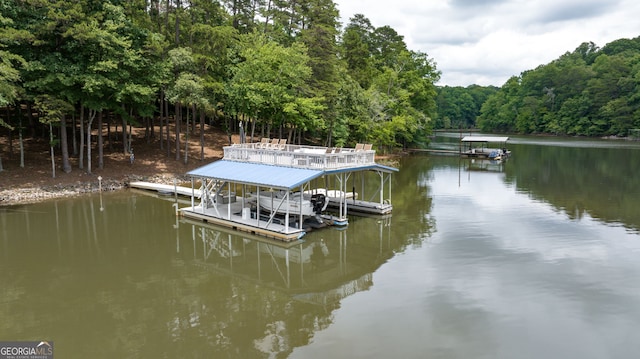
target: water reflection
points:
(596, 178)
(123, 266)
(292, 289)
(476, 261)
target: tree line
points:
(282, 68)
(591, 91)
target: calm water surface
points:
(538, 257)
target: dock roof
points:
(281, 177)
(484, 139)
(257, 174)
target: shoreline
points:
(30, 195)
(35, 194)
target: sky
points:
(485, 42)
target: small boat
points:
(333, 194)
(495, 155)
(294, 205)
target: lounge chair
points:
(359, 147)
(263, 143)
(368, 147)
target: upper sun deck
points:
(312, 157)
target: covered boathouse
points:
(266, 188)
(477, 147)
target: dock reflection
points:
(314, 270)
(290, 289)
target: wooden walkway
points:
(357, 206)
(165, 188)
(234, 218)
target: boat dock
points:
(243, 219)
(481, 150)
(268, 189)
(473, 147)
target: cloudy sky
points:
(485, 42)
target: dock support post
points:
(381, 187)
(258, 209)
(389, 179)
(193, 194)
(175, 188)
(229, 201)
(286, 214)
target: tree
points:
(10, 65)
(319, 37)
(357, 46)
(588, 92)
(188, 90)
(9, 74)
(53, 112)
(271, 81)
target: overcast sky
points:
(485, 42)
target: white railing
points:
(299, 156)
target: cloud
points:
(485, 42)
(559, 11)
(474, 3)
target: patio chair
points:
(274, 144)
(368, 147)
(263, 143)
(283, 144)
(359, 147)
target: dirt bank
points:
(35, 182)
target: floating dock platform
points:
(166, 188)
(231, 190)
(357, 206)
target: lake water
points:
(537, 257)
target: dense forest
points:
(73, 70)
(77, 71)
(459, 107)
(588, 92)
(591, 92)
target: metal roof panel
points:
(374, 166)
(256, 174)
(484, 139)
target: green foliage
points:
(459, 107)
(287, 64)
(280, 63)
(189, 90)
(398, 84)
(52, 108)
(589, 92)
(272, 81)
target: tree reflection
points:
(577, 180)
(125, 276)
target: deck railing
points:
(311, 157)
